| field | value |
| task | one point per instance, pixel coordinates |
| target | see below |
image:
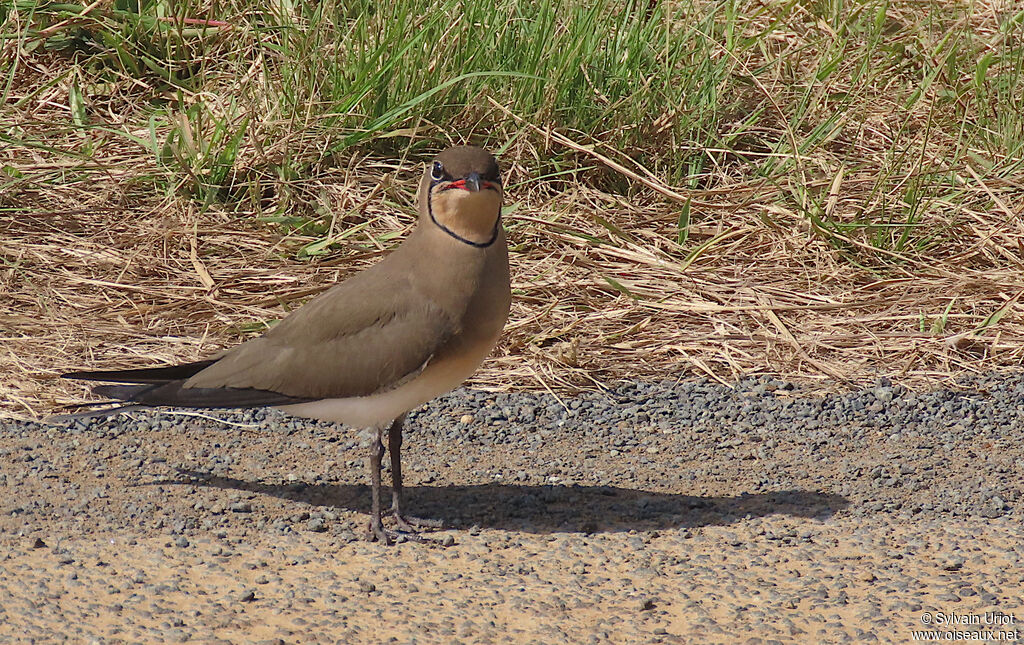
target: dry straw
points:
(663, 283)
(603, 291)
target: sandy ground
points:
(183, 529)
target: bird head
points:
(461, 194)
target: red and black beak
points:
(473, 183)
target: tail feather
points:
(174, 394)
(145, 374)
(164, 386)
(63, 419)
(122, 392)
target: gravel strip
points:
(671, 512)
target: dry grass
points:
(102, 268)
(100, 278)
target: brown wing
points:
(359, 337)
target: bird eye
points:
(437, 173)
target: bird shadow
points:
(547, 508)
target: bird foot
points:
(376, 532)
(411, 524)
(407, 531)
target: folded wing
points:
(360, 337)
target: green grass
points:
(216, 99)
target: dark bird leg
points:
(376, 530)
(405, 522)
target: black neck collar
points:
(450, 232)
